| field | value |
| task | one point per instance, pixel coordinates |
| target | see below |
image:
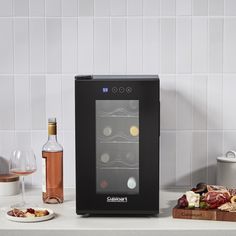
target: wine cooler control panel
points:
(117, 90)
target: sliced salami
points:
(216, 198)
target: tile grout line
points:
(142, 31)
(191, 154)
(45, 57)
(176, 146)
(93, 68)
(109, 39)
(61, 77)
(13, 65)
(77, 38)
(162, 74)
(207, 81)
(128, 16)
(126, 43)
(222, 83)
(29, 83)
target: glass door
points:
(117, 146)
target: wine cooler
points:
(117, 122)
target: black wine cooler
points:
(117, 144)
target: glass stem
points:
(23, 189)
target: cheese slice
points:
(193, 198)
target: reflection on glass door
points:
(117, 146)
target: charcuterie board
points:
(201, 214)
(207, 202)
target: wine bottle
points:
(52, 168)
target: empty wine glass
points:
(22, 163)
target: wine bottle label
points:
(44, 175)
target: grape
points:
(182, 202)
(31, 210)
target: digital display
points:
(105, 90)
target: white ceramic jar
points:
(9, 185)
(226, 170)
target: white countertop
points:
(66, 221)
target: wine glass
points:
(22, 163)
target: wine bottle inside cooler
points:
(52, 169)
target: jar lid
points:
(230, 156)
(9, 178)
(226, 159)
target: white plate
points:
(31, 219)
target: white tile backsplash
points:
(70, 8)
(168, 159)
(134, 7)
(22, 140)
(6, 8)
(86, 7)
(21, 46)
(215, 102)
(199, 45)
(183, 7)
(54, 98)
(151, 46)
(229, 63)
(53, 45)
(183, 158)
(53, 8)
(168, 103)
(199, 102)
(69, 46)
(102, 8)
(6, 46)
(7, 108)
(37, 46)
(214, 149)
(37, 8)
(229, 98)
(7, 139)
(168, 7)
(101, 46)
(184, 102)
(183, 45)
(199, 157)
(229, 138)
(38, 102)
(38, 139)
(189, 43)
(118, 46)
(69, 160)
(118, 7)
(85, 45)
(168, 46)
(215, 45)
(21, 7)
(68, 103)
(200, 7)
(134, 45)
(216, 7)
(230, 7)
(151, 7)
(22, 102)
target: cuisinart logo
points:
(117, 199)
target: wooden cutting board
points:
(199, 214)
